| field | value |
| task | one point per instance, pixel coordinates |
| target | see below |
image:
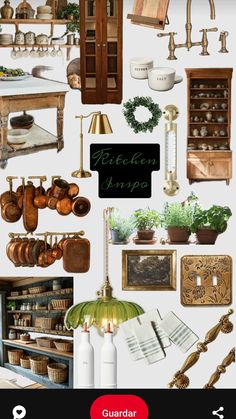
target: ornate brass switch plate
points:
(206, 280)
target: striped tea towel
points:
(128, 328)
(178, 332)
(154, 318)
(149, 344)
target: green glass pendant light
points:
(106, 310)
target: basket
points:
(25, 338)
(63, 345)
(38, 364)
(14, 356)
(48, 323)
(25, 362)
(57, 373)
(15, 293)
(61, 304)
(37, 290)
(45, 342)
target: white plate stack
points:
(6, 39)
(44, 12)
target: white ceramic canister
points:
(30, 38)
(19, 38)
(162, 78)
(139, 67)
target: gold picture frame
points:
(144, 278)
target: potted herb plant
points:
(177, 220)
(146, 221)
(71, 12)
(208, 224)
(11, 305)
(120, 228)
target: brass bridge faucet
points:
(189, 43)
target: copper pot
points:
(61, 242)
(59, 188)
(8, 196)
(57, 253)
(41, 201)
(73, 190)
(11, 212)
(21, 251)
(40, 191)
(12, 251)
(64, 206)
(38, 248)
(46, 258)
(28, 253)
(81, 206)
(52, 203)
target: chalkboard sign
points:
(125, 169)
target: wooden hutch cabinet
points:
(209, 124)
(101, 51)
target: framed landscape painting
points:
(149, 270)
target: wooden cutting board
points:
(151, 13)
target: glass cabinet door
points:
(90, 44)
(112, 44)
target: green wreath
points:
(130, 108)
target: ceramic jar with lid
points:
(30, 38)
(203, 132)
(220, 119)
(56, 285)
(209, 116)
(139, 67)
(12, 335)
(42, 39)
(7, 11)
(195, 132)
(19, 38)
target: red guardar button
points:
(119, 406)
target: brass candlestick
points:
(180, 380)
(221, 369)
(99, 125)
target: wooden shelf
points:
(209, 110)
(208, 138)
(209, 88)
(43, 331)
(41, 379)
(34, 21)
(65, 291)
(35, 348)
(208, 123)
(210, 98)
(35, 311)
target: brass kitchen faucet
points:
(189, 43)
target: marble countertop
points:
(31, 85)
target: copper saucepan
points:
(59, 188)
(9, 196)
(73, 190)
(64, 206)
(57, 253)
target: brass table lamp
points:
(99, 125)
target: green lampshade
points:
(101, 312)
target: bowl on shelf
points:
(6, 39)
(44, 9)
(23, 121)
(17, 136)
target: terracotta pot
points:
(178, 234)
(206, 236)
(145, 234)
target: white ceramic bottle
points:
(85, 361)
(108, 361)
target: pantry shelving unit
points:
(31, 348)
(51, 22)
(209, 156)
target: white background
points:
(138, 41)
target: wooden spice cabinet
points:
(209, 105)
(101, 51)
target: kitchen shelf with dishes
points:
(34, 333)
(209, 156)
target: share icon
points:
(216, 412)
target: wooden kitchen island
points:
(25, 95)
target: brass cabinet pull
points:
(221, 369)
(180, 380)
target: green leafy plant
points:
(146, 219)
(214, 218)
(123, 226)
(11, 305)
(177, 215)
(72, 9)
